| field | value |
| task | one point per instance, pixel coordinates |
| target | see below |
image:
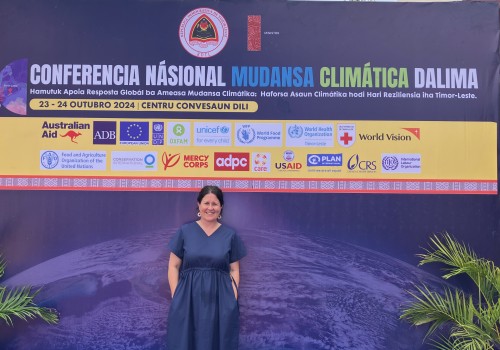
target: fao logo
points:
(203, 32)
(49, 159)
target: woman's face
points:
(209, 207)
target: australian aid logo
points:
(231, 161)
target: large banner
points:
(258, 99)
(343, 135)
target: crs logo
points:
(170, 160)
(363, 165)
(224, 161)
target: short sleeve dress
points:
(204, 314)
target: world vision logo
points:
(170, 160)
(414, 131)
(203, 32)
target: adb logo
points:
(104, 133)
(355, 163)
(233, 161)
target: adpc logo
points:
(13, 86)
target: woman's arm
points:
(235, 273)
(174, 265)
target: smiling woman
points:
(204, 274)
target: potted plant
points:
(464, 321)
(19, 303)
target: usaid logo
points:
(104, 133)
(324, 159)
(233, 161)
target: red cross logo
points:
(346, 138)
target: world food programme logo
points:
(49, 159)
(246, 134)
(295, 131)
(203, 32)
(390, 163)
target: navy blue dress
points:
(204, 314)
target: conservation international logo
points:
(203, 32)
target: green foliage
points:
(19, 303)
(466, 322)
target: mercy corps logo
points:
(203, 32)
(193, 161)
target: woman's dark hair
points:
(214, 190)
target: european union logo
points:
(134, 133)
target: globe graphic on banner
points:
(13, 86)
(296, 293)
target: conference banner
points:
(238, 95)
(343, 135)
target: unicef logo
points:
(246, 134)
(224, 129)
(313, 159)
(49, 159)
(390, 163)
(295, 131)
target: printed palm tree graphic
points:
(18, 302)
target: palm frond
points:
(471, 323)
(19, 303)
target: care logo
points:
(203, 32)
(231, 161)
(261, 162)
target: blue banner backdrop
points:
(324, 271)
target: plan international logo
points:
(203, 32)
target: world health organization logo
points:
(295, 131)
(203, 32)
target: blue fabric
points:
(204, 311)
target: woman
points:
(204, 274)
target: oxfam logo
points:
(179, 129)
